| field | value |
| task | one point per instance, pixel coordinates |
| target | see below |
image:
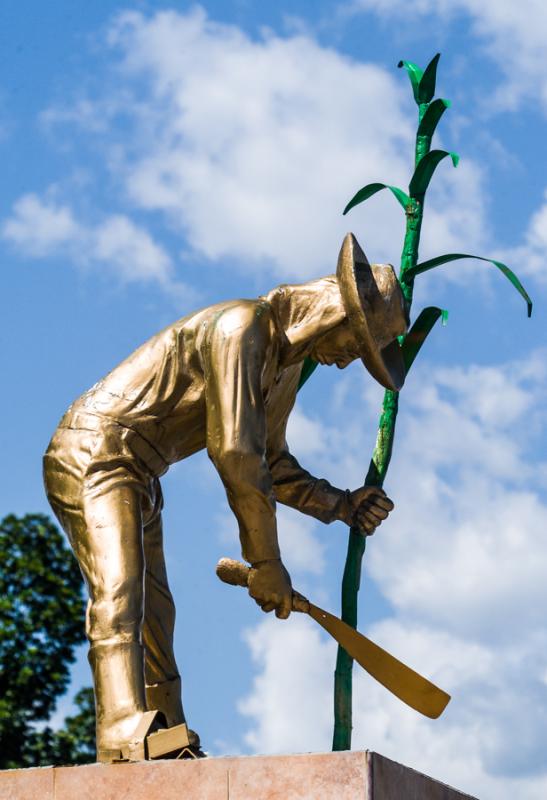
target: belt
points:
(141, 447)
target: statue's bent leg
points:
(163, 688)
(113, 563)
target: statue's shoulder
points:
(239, 318)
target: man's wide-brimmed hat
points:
(376, 311)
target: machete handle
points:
(237, 574)
(233, 572)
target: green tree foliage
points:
(41, 623)
(74, 743)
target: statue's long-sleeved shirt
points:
(216, 379)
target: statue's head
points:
(337, 346)
(357, 313)
(376, 314)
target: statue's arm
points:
(292, 484)
(365, 507)
(296, 487)
(233, 356)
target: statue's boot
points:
(166, 698)
(123, 721)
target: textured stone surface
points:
(329, 776)
(27, 784)
(315, 776)
(146, 780)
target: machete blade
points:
(410, 687)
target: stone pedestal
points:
(317, 776)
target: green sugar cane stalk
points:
(351, 581)
(426, 161)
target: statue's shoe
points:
(124, 740)
(151, 739)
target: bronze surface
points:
(223, 378)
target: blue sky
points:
(160, 157)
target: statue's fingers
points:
(366, 493)
(384, 502)
(283, 610)
(365, 524)
(267, 607)
(380, 498)
(372, 519)
(378, 512)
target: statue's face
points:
(337, 346)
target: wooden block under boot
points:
(167, 742)
(105, 756)
(135, 749)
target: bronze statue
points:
(224, 378)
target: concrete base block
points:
(360, 775)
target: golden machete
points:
(410, 687)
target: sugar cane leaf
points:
(308, 367)
(415, 75)
(432, 116)
(436, 262)
(370, 189)
(418, 333)
(426, 86)
(425, 169)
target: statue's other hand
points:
(370, 506)
(270, 587)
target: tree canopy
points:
(41, 623)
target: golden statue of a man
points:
(224, 378)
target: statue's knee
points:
(116, 615)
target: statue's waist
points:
(137, 443)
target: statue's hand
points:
(270, 586)
(369, 507)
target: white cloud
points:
(306, 435)
(513, 34)
(303, 550)
(259, 144)
(479, 483)
(251, 148)
(289, 701)
(489, 741)
(37, 228)
(463, 563)
(43, 227)
(130, 250)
